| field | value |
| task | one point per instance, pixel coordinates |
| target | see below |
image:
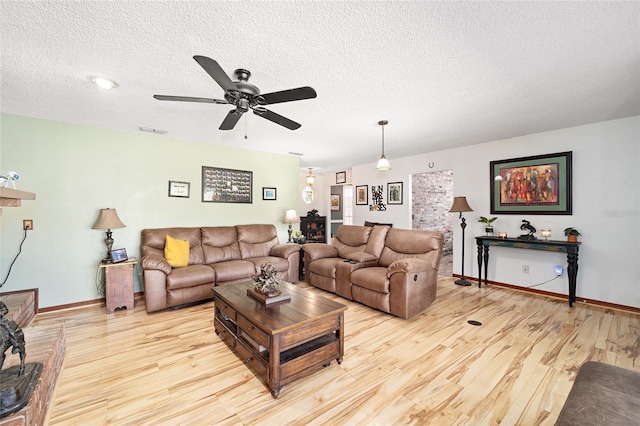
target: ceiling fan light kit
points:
(244, 96)
(383, 163)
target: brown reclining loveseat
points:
(390, 269)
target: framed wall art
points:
(394, 193)
(179, 189)
(335, 202)
(269, 193)
(341, 177)
(540, 184)
(362, 195)
(226, 185)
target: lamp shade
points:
(291, 217)
(460, 205)
(108, 219)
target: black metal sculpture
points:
(526, 226)
(16, 383)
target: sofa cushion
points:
(220, 243)
(256, 240)
(374, 279)
(325, 267)
(233, 270)
(351, 238)
(152, 241)
(190, 276)
(176, 252)
(402, 243)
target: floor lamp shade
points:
(108, 219)
(460, 205)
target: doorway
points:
(432, 197)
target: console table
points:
(548, 245)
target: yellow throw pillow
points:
(176, 252)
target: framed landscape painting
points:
(540, 184)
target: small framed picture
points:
(269, 193)
(362, 195)
(335, 202)
(341, 177)
(119, 255)
(179, 189)
(394, 193)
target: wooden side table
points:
(119, 284)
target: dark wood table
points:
(571, 249)
(284, 341)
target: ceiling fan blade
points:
(276, 118)
(230, 120)
(216, 72)
(289, 95)
(189, 99)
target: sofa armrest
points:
(285, 250)
(156, 262)
(362, 257)
(407, 265)
(319, 251)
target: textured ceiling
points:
(445, 74)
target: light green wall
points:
(77, 170)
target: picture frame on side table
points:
(269, 193)
(394, 193)
(179, 189)
(362, 195)
(335, 202)
(540, 184)
(341, 177)
(226, 185)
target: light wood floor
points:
(170, 368)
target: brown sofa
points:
(217, 256)
(390, 269)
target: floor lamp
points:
(460, 205)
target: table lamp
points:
(460, 205)
(290, 217)
(108, 219)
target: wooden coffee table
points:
(283, 341)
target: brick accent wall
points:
(432, 195)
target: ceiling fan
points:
(244, 96)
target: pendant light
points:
(307, 193)
(383, 163)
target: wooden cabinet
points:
(314, 228)
(119, 284)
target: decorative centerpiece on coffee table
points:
(267, 286)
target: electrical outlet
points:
(525, 269)
(27, 224)
(558, 270)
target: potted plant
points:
(487, 221)
(571, 234)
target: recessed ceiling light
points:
(104, 83)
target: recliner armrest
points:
(157, 262)
(319, 251)
(408, 265)
(284, 250)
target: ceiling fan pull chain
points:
(245, 127)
